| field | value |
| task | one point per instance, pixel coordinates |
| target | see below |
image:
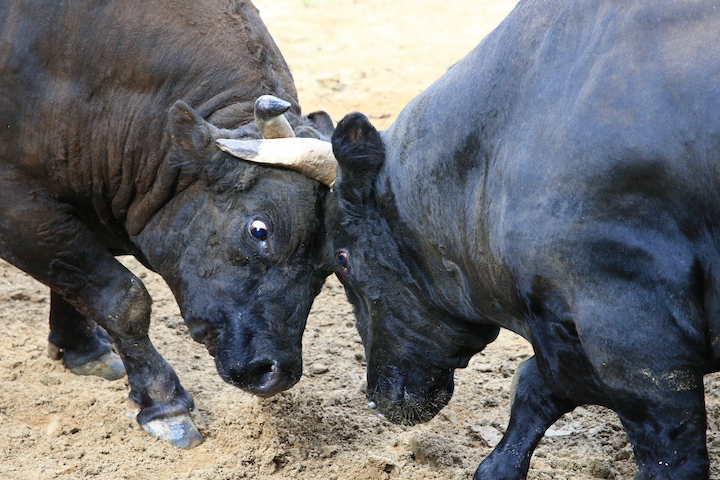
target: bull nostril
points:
(264, 374)
(264, 378)
(269, 380)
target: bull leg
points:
(669, 438)
(40, 236)
(534, 409)
(647, 348)
(84, 347)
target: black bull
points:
(99, 157)
(560, 181)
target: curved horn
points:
(312, 157)
(269, 117)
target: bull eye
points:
(342, 259)
(258, 230)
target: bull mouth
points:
(413, 410)
(207, 336)
(210, 342)
(399, 401)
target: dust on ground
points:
(368, 55)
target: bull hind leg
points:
(84, 347)
(40, 236)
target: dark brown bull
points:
(101, 155)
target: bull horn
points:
(312, 157)
(269, 117)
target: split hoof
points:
(179, 431)
(54, 352)
(108, 366)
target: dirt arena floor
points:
(368, 55)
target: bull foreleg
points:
(668, 437)
(84, 347)
(157, 399)
(39, 235)
(534, 409)
(647, 347)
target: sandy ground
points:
(369, 55)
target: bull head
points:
(242, 248)
(311, 157)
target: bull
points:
(101, 154)
(560, 181)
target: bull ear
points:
(189, 132)
(323, 123)
(358, 148)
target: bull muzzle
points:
(409, 396)
(263, 378)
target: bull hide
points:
(109, 114)
(560, 181)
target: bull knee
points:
(129, 315)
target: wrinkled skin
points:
(560, 181)
(101, 154)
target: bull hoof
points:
(178, 431)
(108, 366)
